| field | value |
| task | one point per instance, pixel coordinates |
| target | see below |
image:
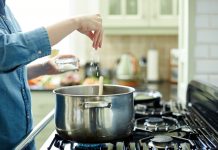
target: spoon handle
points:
(100, 92)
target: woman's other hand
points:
(48, 67)
(52, 68)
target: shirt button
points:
(28, 116)
(39, 52)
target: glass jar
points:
(67, 64)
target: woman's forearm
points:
(35, 70)
(58, 31)
(90, 26)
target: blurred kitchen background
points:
(169, 43)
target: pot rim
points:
(111, 85)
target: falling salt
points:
(95, 59)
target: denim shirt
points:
(16, 50)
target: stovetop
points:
(165, 125)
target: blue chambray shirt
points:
(16, 50)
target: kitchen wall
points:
(115, 46)
(206, 41)
(198, 43)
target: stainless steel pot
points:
(84, 117)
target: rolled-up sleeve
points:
(22, 47)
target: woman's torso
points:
(15, 103)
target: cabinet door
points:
(145, 17)
(124, 13)
(165, 13)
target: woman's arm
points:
(22, 48)
(88, 25)
(35, 70)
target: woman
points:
(17, 49)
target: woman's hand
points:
(48, 67)
(51, 67)
(92, 27)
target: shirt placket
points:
(22, 79)
(5, 22)
(26, 100)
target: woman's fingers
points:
(97, 40)
(90, 35)
(101, 39)
(66, 56)
(92, 27)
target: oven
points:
(160, 125)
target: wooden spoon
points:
(101, 79)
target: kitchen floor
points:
(42, 103)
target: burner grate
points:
(59, 143)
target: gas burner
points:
(60, 143)
(154, 121)
(157, 124)
(91, 147)
(162, 139)
(161, 142)
(145, 110)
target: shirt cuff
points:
(39, 41)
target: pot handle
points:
(98, 104)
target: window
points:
(36, 13)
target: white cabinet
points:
(140, 16)
(124, 13)
(164, 14)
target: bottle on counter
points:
(143, 69)
(153, 65)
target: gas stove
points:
(166, 125)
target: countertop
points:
(167, 89)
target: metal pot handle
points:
(96, 104)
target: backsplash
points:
(114, 46)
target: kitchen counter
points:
(167, 89)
